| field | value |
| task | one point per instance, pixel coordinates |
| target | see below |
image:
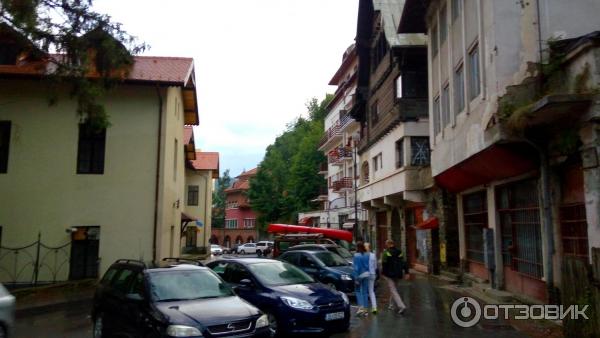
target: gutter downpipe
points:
(545, 180)
(160, 113)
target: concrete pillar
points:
(493, 223)
(590, 137)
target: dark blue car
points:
(325, 266)
(292, 300)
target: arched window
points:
(239, 240)
(227, 241)
(214, 239)
(250, 239)
(364, 172)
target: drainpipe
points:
(157, 180)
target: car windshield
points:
(187, 285)
(330, 259)
(279, 273)
(340, 251)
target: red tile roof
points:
(250, 172)
(169, 70)
(207, 161)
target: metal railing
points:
(330, 133)
(25, 265)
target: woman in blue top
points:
(361, 278)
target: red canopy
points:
(330, 233)
(430, 223)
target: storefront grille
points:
(475, 219)
(573, 227)
(519, 212)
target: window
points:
(399, 87)
(108, 276)
(193, 194)
(231, 223)
(419, 151)
(175, 151)
(190, 236)
(90, 151)
(400, 153)
(436, 116)
(377, 162)
(4, 145)
(476, 219)
(434, 41)
(232, 204)
(249, 223)
(364, 171)
(122, 280)
(456, 9)
(378, 52)
(374, 113)
(474, 84)
(445, 106)
(137, 286)
(443, 25)
(459, 90)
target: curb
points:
(42, 308)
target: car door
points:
(137, 319)
(115, 311)
(309, 265)
(235, 273)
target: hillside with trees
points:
(288, 177)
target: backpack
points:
(393, 266)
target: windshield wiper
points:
(172, 299)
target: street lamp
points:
(355, 173)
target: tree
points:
(219, 200)
(287, 178)
(81, 40)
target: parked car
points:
(325, 266)
(283, 242)
(264, 248)
(248, 248)
(216, 250)
(343, 252)
(7, 312)
(293, 301)
(179, 300)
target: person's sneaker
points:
(374, 311)
(360, 312)
(401, 311)
(391, 307)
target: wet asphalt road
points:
(427, 316)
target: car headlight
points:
(262, 321)
(345, 298)
(297, 303)
(183, 331)
(346, 277)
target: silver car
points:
(7, 312)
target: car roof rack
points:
(131, 261)
(292, 236)
(183, 260)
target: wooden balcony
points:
(331, 136)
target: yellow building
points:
(93, 198)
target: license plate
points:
(334, 316)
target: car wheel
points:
(242, 252)
(98, 327)
(273, 327)
(258, 253)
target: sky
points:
(257, 62)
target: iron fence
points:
(34, 264)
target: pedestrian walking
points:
(393, 267)
(361, 278)
(372, 277)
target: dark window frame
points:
(459, 89)
(399, 153)
(193, 196)
(420, 160)
(92, 141)
(5, 132)
(474, 72)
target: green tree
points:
(219, 200)
(82, 38)
(287, 178)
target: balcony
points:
(332, 136)
(347, 122)
(338, 155)
(323, 169)
(343, 184)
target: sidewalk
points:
(43, 297)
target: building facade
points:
(240, 219)
(339, 143)
(513, 128)
(91, 197)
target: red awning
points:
(431, 223)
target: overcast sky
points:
(257, 61)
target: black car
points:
(294, 302)
(325, 266)
(185, 300)
(343, 252)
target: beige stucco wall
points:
(42, 192)
(203, 211)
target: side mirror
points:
(136, 297)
